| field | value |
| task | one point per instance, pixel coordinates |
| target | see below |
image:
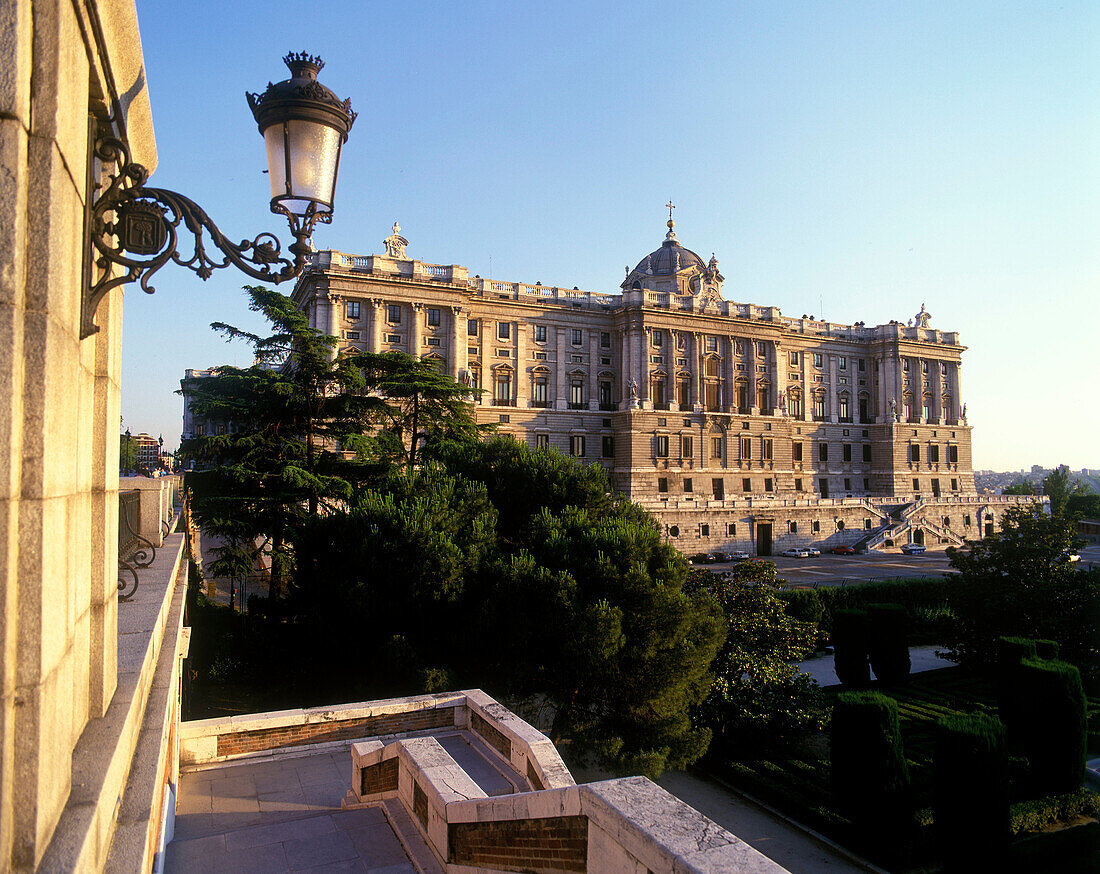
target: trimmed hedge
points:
(1030, 816)
(870, 777)
(851, 644)
(890, 642)
(1051, 710)
(1010, 652)
(971, 786)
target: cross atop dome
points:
(671, 235)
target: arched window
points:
(540, 387)
(819, 406)
(844, 409)
(927, 405)
(794, 403)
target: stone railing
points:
(157, 499)
(566, 297)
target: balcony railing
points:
(503, 402)
(134, 550)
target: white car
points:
(737, 555)
(797, 552)
(812, 551)
(912, 549)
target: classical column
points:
(415, 329)
(625, 370)
(458, 343)
(779, 368)
(641, 362)
(750, 366)
(882, 401)
(522, 389)
(956, 391)
(807, 388)
(936, 375)
(833, 412)
(376, 311)
(593, 369)
(696, 372)
(560, 383)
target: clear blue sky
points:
(851, 160)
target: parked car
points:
(797, 552)
(813, 551)
(715, 557)
(1070, 555)
(913, 548)
(843, 550)
(737, 555)
(699, 558)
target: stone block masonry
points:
(556, 843)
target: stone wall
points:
(60, 399)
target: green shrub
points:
(1010, 652)
(851, 644)
(1038, 813)
(889, 642)
(1051, 710)
(869, 775)
(970, 771)
(804, 604)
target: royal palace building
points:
(737, 426)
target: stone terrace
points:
(453, 782)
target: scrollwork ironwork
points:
(137, 228)
(134, 550)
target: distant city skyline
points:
(853, 161)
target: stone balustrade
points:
(158, 499)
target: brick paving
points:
(279, 815)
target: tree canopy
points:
(1018, 583)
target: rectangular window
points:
(924, 367)
(914, 452)
(798, 484)
(351, 335)
(576, 445)
(433, 341)
(934, 453)
(351, 309)
(576, 395)
(842, 363)
(792, 357)
(716, 448)
(823, 487)
(847, 451)
(819, 408)
(471, 351)
(541, 394)
(718, 486)
(503, 395)
(916, 484)
(504, 420)
(607, 446)
(746, 448)
(954, 485)
(605, 396)
(504, 330)
(540, 333)
(866, 453)
(966, 521)
(712, 344)
(822, 451)
(953, 454)
(662, 446)
(433, 317)
(662, 484)
(689, 485)
(767, 483)
(686, 446)
(731, 528)
(904, 365)
(746, 485)
(818, 360)
(866, 484)
(766, 449)
(393, 313)
(796, 451)
(605, 340)
(847, 484)
(504, 353)
(816, 527)
(658, 337)
(578, 337)
(542, 441)
(393, 338)
(792, 527)
(704, 530)
(761, 349)
(539, 356)
(471, 327)
(862, 365)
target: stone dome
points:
(670, 259)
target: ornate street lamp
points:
(303, 125)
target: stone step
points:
(423, 859)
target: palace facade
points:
(737, 426)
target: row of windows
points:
(578, 445)
(766, 451)
(504, 332)
(934, 453)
